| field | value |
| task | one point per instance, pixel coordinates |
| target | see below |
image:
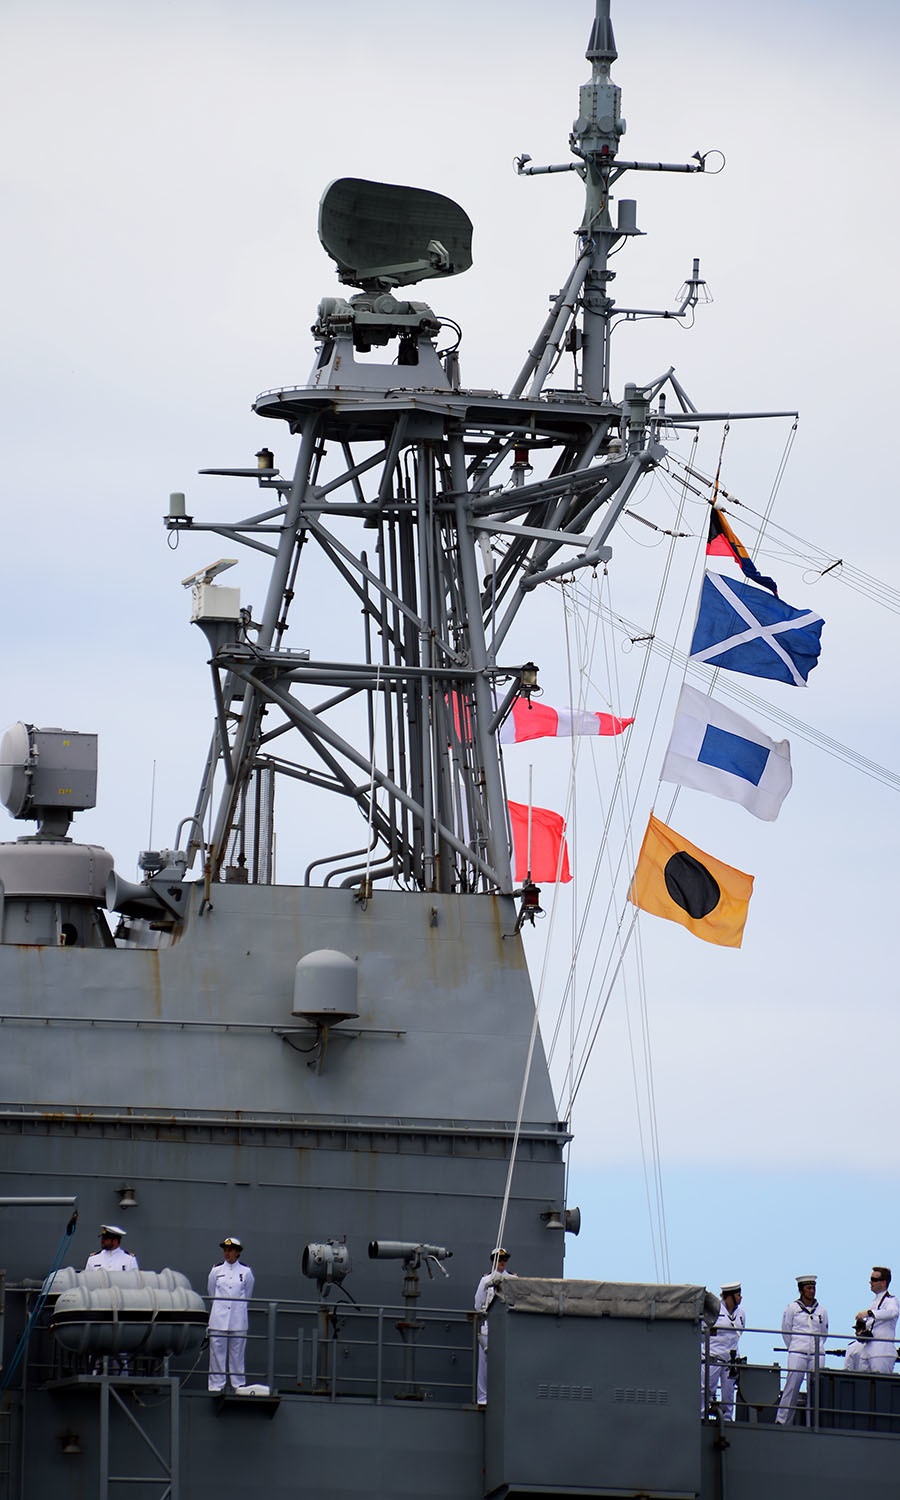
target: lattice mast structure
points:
(439, 510)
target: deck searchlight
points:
(327, 1263)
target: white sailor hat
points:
(730, 1286)
(112, 1229)
(230, 1242)
(498, 1253)
(802, 1279)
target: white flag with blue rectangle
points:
(714, 750)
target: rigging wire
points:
(572, 696)
(654, 1170)
(630, 800)
(520, 1108)
(653, 1119)
(586, 651)
(779, 475)
(788, 545)
(569, 802)
(504, 1207)
(715, 494)
(36, 1311)
(650, 1089)
(654, 1195)
(604, 852)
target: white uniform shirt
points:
(799, 1328)
(234, 1283)
(111, 1260)
(884, 1311)
(487, 1289)
(726, 1332)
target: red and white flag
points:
(543, 856)
(535, 721)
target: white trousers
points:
(227, 1353)
(799, 1365)
(862, 1356)
(481, 1377)
(712, 1376)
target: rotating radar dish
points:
(382, 235)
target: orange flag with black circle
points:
(676, 880)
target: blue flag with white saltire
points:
(748, 630)
(715, 750)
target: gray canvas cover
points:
(607, 1299)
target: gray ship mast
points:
(439, 510)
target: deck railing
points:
(828, 1396)
(337, 1350)
(333, 1349)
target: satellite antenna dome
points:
(382, 235)
(325, 988)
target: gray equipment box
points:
(594, 1388)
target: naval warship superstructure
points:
(347, 1070)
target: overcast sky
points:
(161, 173)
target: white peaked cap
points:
(113, 1229)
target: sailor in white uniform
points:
(230, 1285)
(484, 1296)
(724, 1339)
(874, 1348)
(113, 1259)
(111, 1256)
(804, 1329)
